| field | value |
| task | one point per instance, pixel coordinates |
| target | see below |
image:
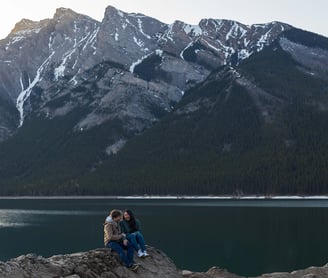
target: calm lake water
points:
(247, 237)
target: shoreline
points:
(172, 197)
(73, 265)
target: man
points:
(114, 239)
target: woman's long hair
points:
(132, 222)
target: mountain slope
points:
(258, 129)
(77, 97)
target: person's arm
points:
(124, 228)
(110, 234)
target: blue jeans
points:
(137, 240)
(119, 248)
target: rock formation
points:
(104, 263)
(91, 264)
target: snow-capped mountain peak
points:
(64, 48)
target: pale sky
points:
(305, 14)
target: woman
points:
(130, 226)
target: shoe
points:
(140, 253)
(145, 254)
(133, 267)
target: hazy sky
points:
(304, 14)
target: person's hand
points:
(125, 242)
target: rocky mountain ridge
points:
(55, 57)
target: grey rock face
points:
(213, 43)
(94, 263)
(37, 51)
(125, 38)
(129, 66)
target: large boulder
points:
(94, 263)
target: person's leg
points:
(132, 239)
(140, 239)
(119, 249)
(130, 252)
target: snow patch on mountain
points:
(236, 31)
(244, 54)
(212, 46)
(140, 43)
(120, 13)
(263, 40)
(168, 35)
(116, 36)
(189, 45)
(141, 29)
(218, 25)
(139, 61)
(158, 52)
(192, 29)
(87, 40)
(24, 94)
(246, 42)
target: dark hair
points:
(132, 222)
(115, 213)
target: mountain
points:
(71, 53)
(77, 94)
(256, 129)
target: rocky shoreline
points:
(104, 263)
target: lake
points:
(247, 237)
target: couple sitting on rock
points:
(124, 234)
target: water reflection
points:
(11, 219)
(19, 218)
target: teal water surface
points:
(247, 237)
